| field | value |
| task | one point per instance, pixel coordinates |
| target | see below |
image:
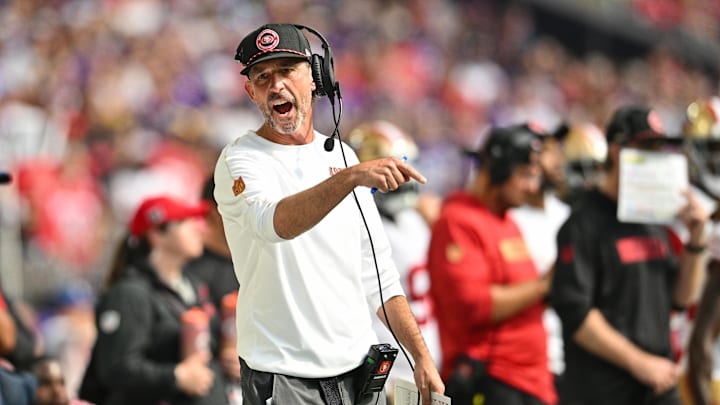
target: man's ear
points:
(613, 155)
(312, 81)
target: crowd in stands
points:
(105, 102)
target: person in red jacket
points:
(487, 291)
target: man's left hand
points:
(427, 379)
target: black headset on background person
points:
(506, 148)
(619, 129)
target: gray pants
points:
(259, 387)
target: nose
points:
(277, 82)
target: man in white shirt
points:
(309, 268)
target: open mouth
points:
(283, 108)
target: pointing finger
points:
(410, 172)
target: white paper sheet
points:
(651, 186)
(406, 393)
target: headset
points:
(323, 68)
(508, 147)
(619, 129)
(323, 74)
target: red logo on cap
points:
(384, 367)
(536, 127)
(267, 40)
(156, 215)
(654, 122)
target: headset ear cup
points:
(496, 166)
(499, 168)
(316, 65)
(499, 172)
(328, 72)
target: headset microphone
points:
(5, 178)
(330, 143)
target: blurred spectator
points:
(702, 144)
(27, 342)
(7, 326)
(700, 383)
(145, 351)
(487, 291)
(51, 389)
(616, 284)
(69, 244)
(539, 220)
(703, 382)
(585, 149)
(68, 331)
(16, 388)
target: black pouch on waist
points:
(467, 379)
(371, 376)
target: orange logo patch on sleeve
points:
(453, 253)
(514, 250)
(238, 186)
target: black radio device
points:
(375, 369)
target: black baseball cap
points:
(637, 125)
(515, 143)
(272, 41)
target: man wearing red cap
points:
(295, 216)
(616, 283)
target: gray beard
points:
(285, 128)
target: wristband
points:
(694, 249)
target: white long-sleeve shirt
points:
(304, 305)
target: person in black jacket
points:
(141, 355)
(616, 282)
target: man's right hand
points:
(657, 372)
(193, 376)
(387, 174)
